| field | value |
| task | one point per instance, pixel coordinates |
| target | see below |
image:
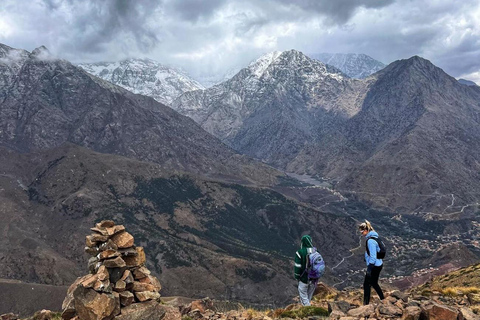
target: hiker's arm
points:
(372, 248)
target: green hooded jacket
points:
(301, 259)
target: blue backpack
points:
(315, 265)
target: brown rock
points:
(105, 224)
(412, 313)
(138, 286)
(68, 305)
(120, 285)
(151, 310)
(202, 305)
(103, 232)
(436, 311)
(468, 314)
(123, 240)
(93, 239)
(399, 295)
(336, 314)
(89, 281)
(363, 311)
(108, 254)
(114, 230)
(138, 260)
(102, 273)
(153, 281)
(126, 298)
(147, 295)
(91, 305)
(389, 310)
(341, 305)
(140, 273)
(128, 252)
(118, 307)
(102, 286)
(114, 263)
(127, 277)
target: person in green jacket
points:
(306, 287)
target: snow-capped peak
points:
(145, 76)
(259, 66)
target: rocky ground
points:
(119, 286)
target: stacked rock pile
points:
(118, 279)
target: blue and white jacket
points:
(373, 247)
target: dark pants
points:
(372, 281)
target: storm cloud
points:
(217, 35)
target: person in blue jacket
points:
(374, 265)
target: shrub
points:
(451, 292)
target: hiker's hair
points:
(366, 226)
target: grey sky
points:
(214, 36)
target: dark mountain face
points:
(202, 238)
(413, 145)
(46, 102)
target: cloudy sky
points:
(213, 36)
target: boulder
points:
(151, 310)
(109, 245)
(363, 311)
(92, 305)
(115, 229)
(102, 273)
(9, 316)
(436, 311)
(116, 273)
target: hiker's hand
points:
(369, 270)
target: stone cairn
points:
(118, 279)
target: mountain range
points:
(399, 148)
(407, 126)
(146, 77)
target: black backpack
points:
(381, 244)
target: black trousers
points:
(372, 281)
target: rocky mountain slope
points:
(358, 66)
(46, 102)
(146, 77)
(406, 148)
(201, 237)
(397, 139)
(272, 108)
